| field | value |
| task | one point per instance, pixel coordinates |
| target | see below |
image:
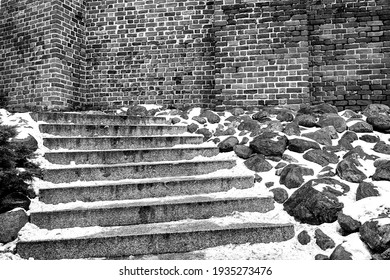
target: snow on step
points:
(172, 237)
(110, 130)
(65, 174)
(129, 155)
(101, 119)
(143, 211)
(142, 188)
(119, 142)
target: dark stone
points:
(205, 132)
(228, 144)
(382, 172)
(350, 136)
(280, 195)
(292, 129)
(344, 145)
(199, 119)
(269, 184)
(175, 120)
(249, 125)
(321, 136)
(369, 138)
(331, 131)
(269, 144)
(14, 200)
(280, 165)
(318, 110)
(274, 126)
(311, 206)
(332, 186)
(361, 127)
(258, 178)
(303, 237)
(339, 253)
(285, 116)
(366, 190)
(11, 223)
(261, 116)
(216, 140)
(323, 241)
(333, 120)
(191, 128)
(321, 257)
(301, 145)
(292, 175)
(210, 116)
(385, 255)
(306, 120)
(229, 131)
(375, 236)
(237, 111)
(243, 151)
(244, 141)
(258, 163)
(289, 158)
(139, 111)
(321, 157)
(347, 170)
(232, 119)
(351, 114)
(348, 224)
(358, 152)
(382, 147)
(376, 109)
(379, 122)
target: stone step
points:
(66, 174)
(119, 142)
(142, 188)
(160, 238)
(134, 155)
(99, 119)
(147, 211)
(110, 130)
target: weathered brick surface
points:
(219, 54)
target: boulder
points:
(138, 111)
(175, 120)
(249, 125)
(358, 152)
(369, 138)
(321, 257)
(210, 116)
(349, 136)
(321, 136)
(351, 114)
(379, 122)
(261, 116)
(199, 120)
(280, 195)
(321, 157)
(318, 110)
(243, 151)
(274, 126)
(333, 120)
(347, 170)
(269, 144)
(228, 144)
(343, 145)
(11, 223)
(328, 185)
(375, 235)
(258, 163)
(382, 147)
(292, 175)
(366, 190)
(229, 131)
(292, 129)
(322, 240)
(285, 116)
(237, 111)
(191, 128)
(376, 109)
(331, 131)
(348, 224)
(269, 184)
(205, 132)
(244, 140)
(311, 206)
(339, 253)
(289, 158)
(306, 120)
(361, 127)
(14, 200)
(258, 178)
(382, 172)
(280, 165)
(303, 237)
(301, 145)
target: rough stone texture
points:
(306, 120)
(243, 151)
(361, 127)
(210, 116)
(292, 175)
(379, 122)
(366, 189)
(249, 125)
(228, 144)
(369, 138)
(269, 144)
(348, 171)
(382, 147)
(261, 116)
(191, 128)
(11, 223)
(258, 163)
(199, 120)
(304, 238)
(301, 145)
(285, 116)
(292, 129)
(333, 120)
(348, 224)
(322, 240)
(321, 136)
(237, 111)
(382, 172)
(340, 253)
(321, 157)
(318, 110)
(349, 136)
(205, 132)
(375, 236)
(321, 257)
(311, 206)
(139, 111)
(280, 195)
(375, 109)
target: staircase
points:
(122, 186)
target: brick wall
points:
(350, 52)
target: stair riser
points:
(119, 143)
(134, 172)
(112, 157)
(96, 119)
(90, 247)
(148, 214)
(101, 130)
(139, 191)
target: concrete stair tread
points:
(183, 226)
(211, 197)
(111, 125)
(184, 135)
